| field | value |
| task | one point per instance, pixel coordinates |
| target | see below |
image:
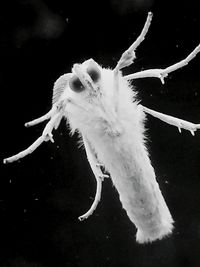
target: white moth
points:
(101, 105)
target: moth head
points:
(81, 87)
(86, 78)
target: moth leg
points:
(47, 116)
(46, 136)
(95, 166)
(163, 73)
(25, 152)
(128, 56)
(181, 124)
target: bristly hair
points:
(80, 142)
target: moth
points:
(102, 106)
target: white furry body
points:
(101, 105)
(117, 137)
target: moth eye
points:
(94, 74)
(76, 85)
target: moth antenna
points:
(59, 87)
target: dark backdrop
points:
(42, 195)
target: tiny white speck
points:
(36, 198)
(25, 210)
(166, 182)
(10, 181)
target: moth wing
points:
(59, 87)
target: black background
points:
(42, 195)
